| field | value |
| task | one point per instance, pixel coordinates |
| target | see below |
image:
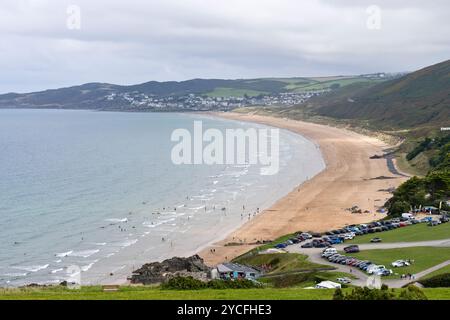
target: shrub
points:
(358, 293)
(369, 294)
(412, 293)
(438, 281)
(229, 284)
(189, 283)
(338, 295)
(183, 283)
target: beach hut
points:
(233, 271)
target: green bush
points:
(412, 293)
(189, 283)
(438, 281)
(358, 293)
(229, 284)
(183, 283)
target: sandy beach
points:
(350, 179)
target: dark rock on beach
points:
(157, 272)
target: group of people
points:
(408, 276)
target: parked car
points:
(330, 250)
(384, 272)
(281, 246)
(344, 280)
(433, 223)
(307, 245)
(351, 249)
(444, 219)
(400, 263)
(375, 240)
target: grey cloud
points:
(134, 41)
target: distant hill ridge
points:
(420, 98)
(94, 95)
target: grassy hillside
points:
(421, 98)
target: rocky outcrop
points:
(157, 272)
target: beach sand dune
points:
(321, 203)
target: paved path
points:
(314, 255)
(394, 245)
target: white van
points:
(407, 215)
(328, 252)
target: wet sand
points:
(320, 204)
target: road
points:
(314, 255)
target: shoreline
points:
(318, 204)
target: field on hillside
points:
(424, 258)
(418, 232)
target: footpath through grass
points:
(424, 258)
(417, 232)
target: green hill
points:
(421, 98)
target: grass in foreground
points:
(152, 293)
(418, 232)
(424, 258)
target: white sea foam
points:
(128, 243)
(57, 270)
(83, 253)
(13, 275)
(64, 254)
(35, 268)
(87, 267)
(116, 220)
(158, 223)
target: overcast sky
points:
(132, 41)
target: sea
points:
(90, 196)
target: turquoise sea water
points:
(98, 190)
